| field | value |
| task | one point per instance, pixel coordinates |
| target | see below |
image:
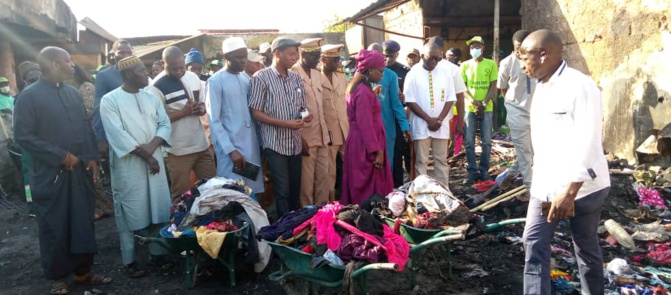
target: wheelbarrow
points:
(298, 264)
(195, 254)
(419, 239)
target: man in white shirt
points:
(430, 92)
(570, 170)
(182, 93)
(517, 90)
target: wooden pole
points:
(496, 30)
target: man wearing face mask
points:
(517, 90)
(480, 75)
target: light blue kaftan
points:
(130, 120)
(392, 110)
(231, 125)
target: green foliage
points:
(335, 25)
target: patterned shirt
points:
(281, 98)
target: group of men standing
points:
(295, 115)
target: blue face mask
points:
(476, 52)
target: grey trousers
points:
(523, 154)
(538, 234)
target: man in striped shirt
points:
(277, 101)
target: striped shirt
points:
(281, 98)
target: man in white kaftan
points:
(132, 120)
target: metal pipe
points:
(430, 242)
(375, 266)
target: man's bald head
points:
(171, 53)
(55, 63)
(173, 61)
(541, 54)
(375, 46)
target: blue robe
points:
(392, 110)
(231, 125)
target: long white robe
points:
(231, 125)
(130, 120)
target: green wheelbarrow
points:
(298, 264)
(195, 254)
(419, 239)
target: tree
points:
(336, 25)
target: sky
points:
(137, 18)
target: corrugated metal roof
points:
(89, 24)
(142, 50)
(375, 9)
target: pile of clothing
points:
(216, 206)
(339, 234)
(427, 203)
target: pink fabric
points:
(396, 247)
(458, 140)
(369, 59)
(650, 197)
(322, 222)
(366, 136)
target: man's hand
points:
(377, 89)
(306, 148)
(294, 124)
(459, 128)
(104, 149)
(189, 108)
(308, 119)
(561, 206)
(480, 107)
(148, 148)
(433, 124)
(154, 167)
(93, 167)
(198, 109)
(407, 136)
(401, 97)
(238, 160)
(70, 161)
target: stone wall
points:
(626, 48)
(406, 19)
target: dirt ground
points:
(501, 262)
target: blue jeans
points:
(486, 125)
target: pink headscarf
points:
(369, 59)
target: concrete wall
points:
(406, 19)
(626, 48)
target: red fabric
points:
(660, 252)
(458, 140)
(396, 247)
(483, 186)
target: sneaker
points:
(507, 181)
(471, 178)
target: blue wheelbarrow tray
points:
(329, 275)
(194, 253)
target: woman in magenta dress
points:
(365, 170)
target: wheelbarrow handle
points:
(432, 241)
(375, 266)
(495, 226)
(145, 240)
(279, 275)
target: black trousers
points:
(401, 156)
(285, 172)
